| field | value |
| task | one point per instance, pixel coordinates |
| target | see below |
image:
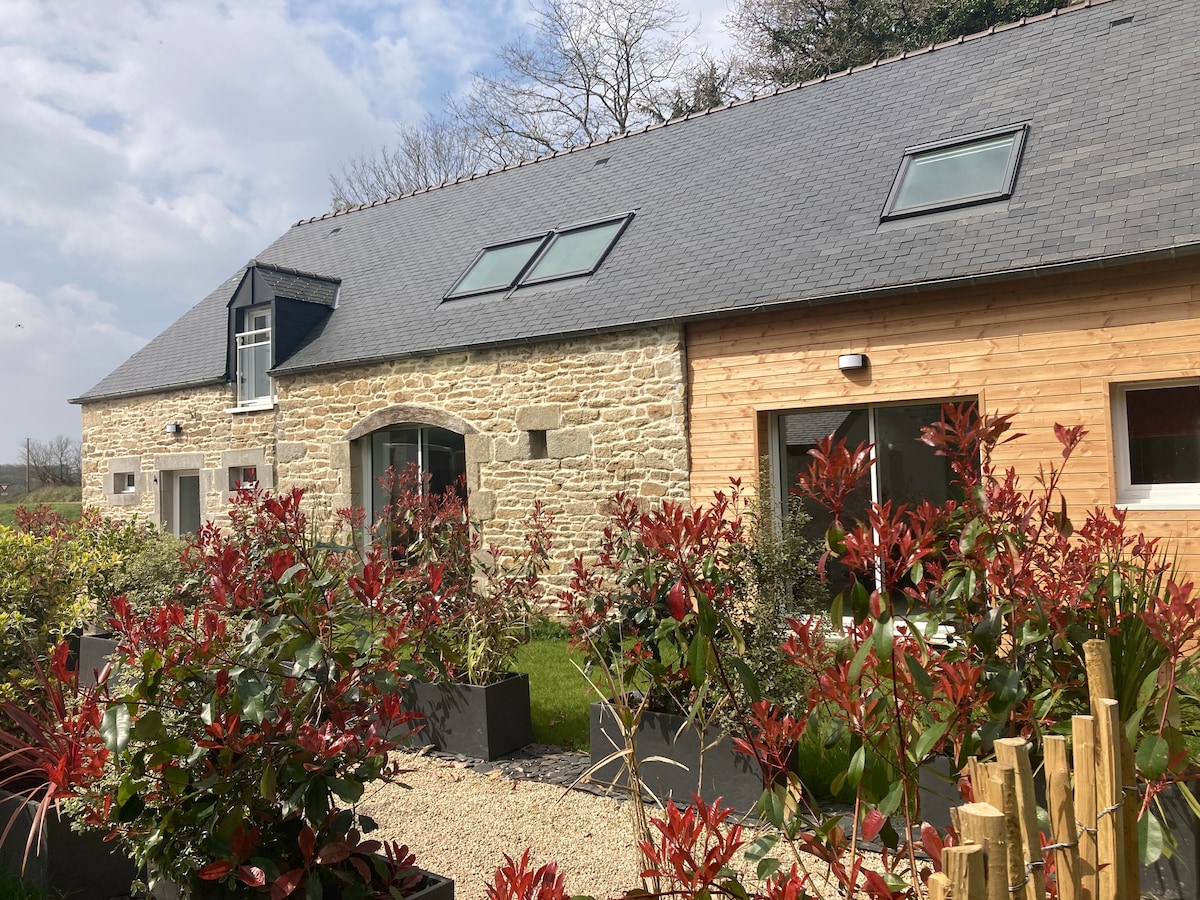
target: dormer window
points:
(963, 171)
(253, 341)
(273, 312)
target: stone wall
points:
(569, 422)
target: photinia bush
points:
(242, 730)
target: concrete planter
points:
(95, 650)
(65, 864)
(482, 722)
(726, 774)
(436, 887)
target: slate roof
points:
(773, 200)
(298, 285)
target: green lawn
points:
(8, 511)
(558, 693)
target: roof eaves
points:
(145, 391)
(752, 98)
(1042, 270)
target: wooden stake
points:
(1098, 658)
(983, 824)
(1083, 730)
(1111, 800)
(1004, 785)
(1014, 753)
(939, 886)
(965, 870)
(1062, 817)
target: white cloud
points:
(53, 348)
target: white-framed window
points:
(1156, 443)
(253, 361)
(124, 483)
(243, 478)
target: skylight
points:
(959, 172)
(498, 268)
(565, 253)
(576, 252)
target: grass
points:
(11, 889)
(559, 697)
(8, 518)
(558, 694)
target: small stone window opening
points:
(537, 445)
(243, 478)
(124, 483)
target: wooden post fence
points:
(1092, 842)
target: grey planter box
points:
(66, 864)
(480, 722)
(95, 650)
(726, 774)
(436, 888)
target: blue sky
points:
(150, 148)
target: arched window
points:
(437, 452)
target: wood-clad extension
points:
(1048, 349)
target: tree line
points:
(48, 463)
(596, 68)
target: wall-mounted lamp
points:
(848, 362)
(174, 428)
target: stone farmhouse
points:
(1011, 218)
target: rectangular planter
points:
(480, 722)
(726, 774)
(436, 887)
(67, 864)
(94, 652)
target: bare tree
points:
(56, 461)
(436, 151)
(593, 69)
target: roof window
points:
(959, 172)
(564, 253)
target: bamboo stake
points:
(1110, 799)
(1004, 784)
(1098, 659)
(1014, 752)
(1083, 729)
(965, 871)
(983, 824)
(1062, 817)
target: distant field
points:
(7, 510)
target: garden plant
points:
(967, 624)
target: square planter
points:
(726, 773)
(480, 722)
(66, 864)
(95, 650)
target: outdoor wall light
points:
(848, 362)
(174, 428)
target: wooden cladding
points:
(1047, 349)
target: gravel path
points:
(461, 816)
